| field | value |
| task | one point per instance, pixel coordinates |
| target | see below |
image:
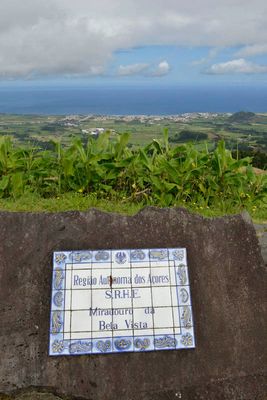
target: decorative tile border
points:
(76, 268)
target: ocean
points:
(130, 100)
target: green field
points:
(245, 134)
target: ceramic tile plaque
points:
(111, 301)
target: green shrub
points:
(157, 174)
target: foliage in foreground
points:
(30, 202)
(157, 174)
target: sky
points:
(133, 42)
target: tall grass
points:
(157, 174)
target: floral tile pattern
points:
(125, 300)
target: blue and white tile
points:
(121, 277)
(81, 279)
(56, 322)
(79, 347)
(181, 274)
(143, 319)
(175, 296)
(81, 256)
(58, 279)
(80, 272)
(102, 256)
(68, 266)
(123, 322)
(138, 256)
(158, 255)
(186, 317)
(58, 347)
(120, 258)
(103, 265)
(101, 298)
(184, 295)
(122, 343)
(123, 302)
(141, 264)
(99, 335)
(173, 277)
(159, 264)
(67, 321)
(101, 323)
(178, 254)
(80, 321)
(67, 299)
(186, 339)
(86, 335)
(163, 317)
(101, 277)
(159, 276)
(161, 296)
(143, 332)
(177, 331)
(77, 266)
(68, 281)
(176, 317)
(164, 341)
(144, 297)
(140, 277)
(81, 299)
(102, 345)
(60, 258)
(143, 343)
(67, 335)
(57, 300)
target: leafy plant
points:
(159, 173)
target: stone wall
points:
(228, 288)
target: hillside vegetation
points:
(242, 117)
(111, 173)
(247, 132)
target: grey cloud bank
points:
(240, 66)
(66, 37)
(162, 69)
(132, 69)
(253, 50)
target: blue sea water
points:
(131, 100)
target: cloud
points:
(66, 37)
(254, 50)
(149, 70)
(238, 66)
(132, 69)
(162, 69)
(212, 54)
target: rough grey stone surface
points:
(228, 289)
(261, 230)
